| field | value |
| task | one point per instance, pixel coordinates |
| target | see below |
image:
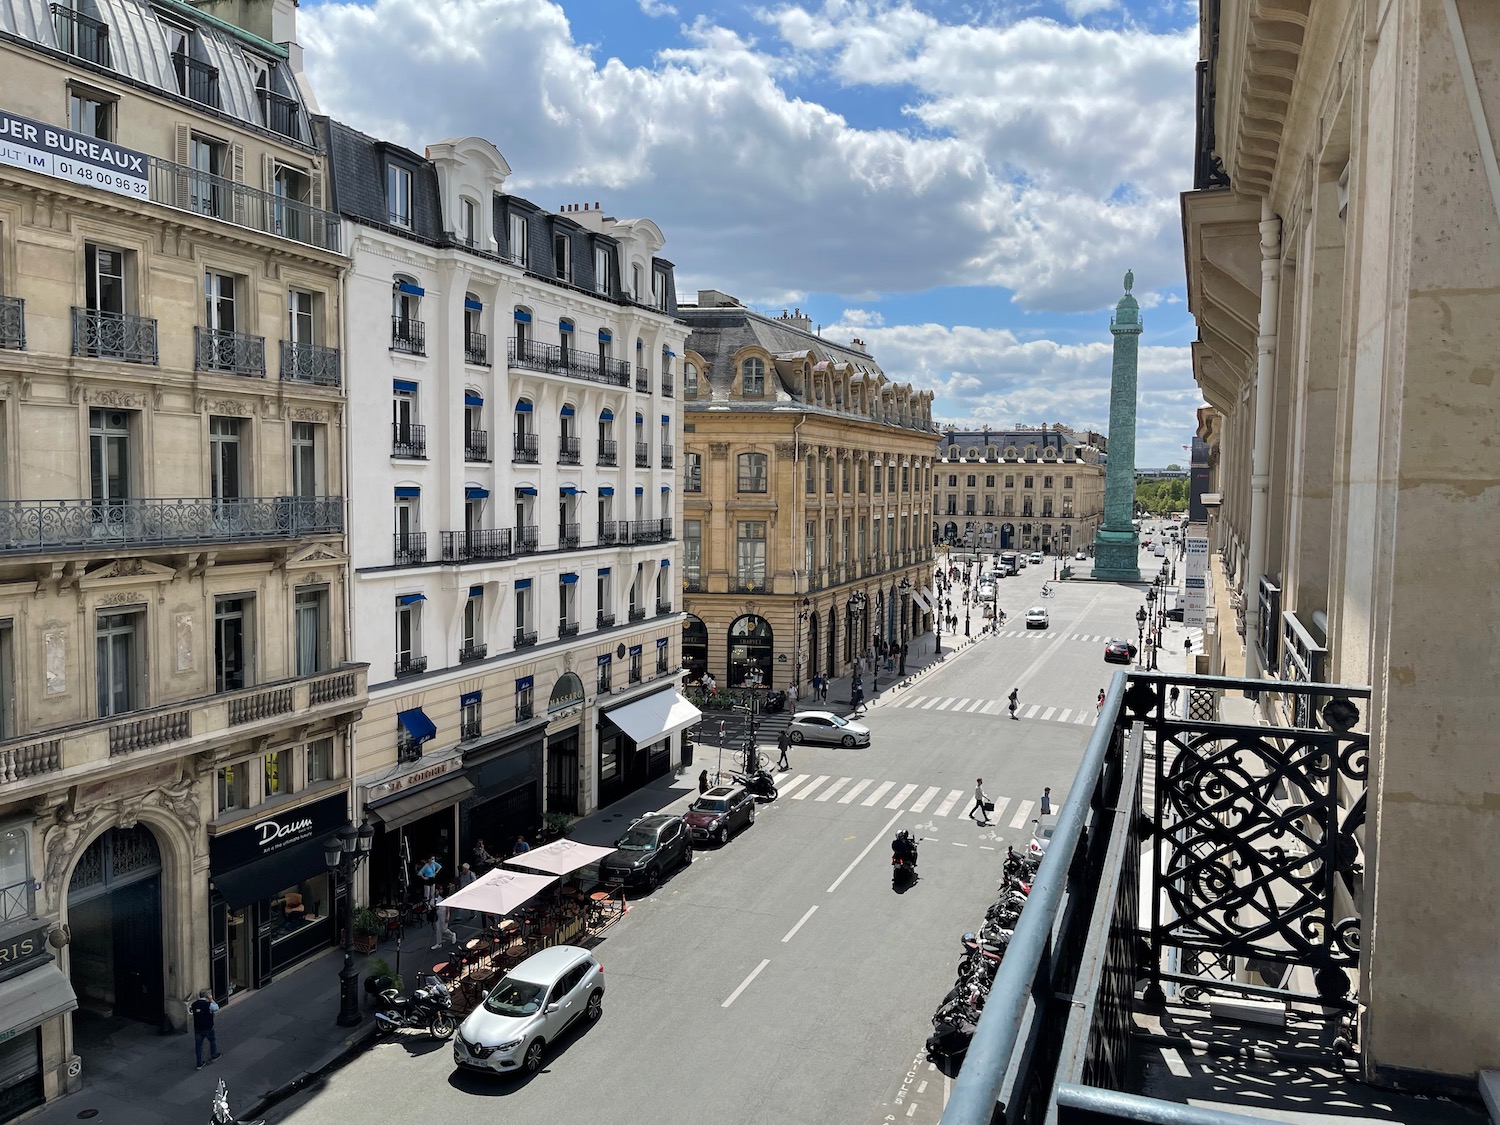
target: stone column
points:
(1117, 545)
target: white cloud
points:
(1080, 8)
(655, 8)
(1037, 157)
(861, 318)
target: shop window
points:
(278, 773)
(320, 761)
(609, 760)
(234, 788)
(299, 906)
(15, 874)
(604, 669)
(525, 700)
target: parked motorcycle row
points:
(957, 1016)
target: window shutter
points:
(181, 153)
(237, 174)
(268, 174)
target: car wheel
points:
(795, 736)
(723, 835)
(848, 741)
(596, 1006)
(653, 878)
(750, 816)
(533, 1059)
(442, 1026)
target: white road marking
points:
(1174, 1062)
(948, 802)
(943, 706)
(879, 791)
(834, 788)
(856, 791)
(1048, 713)
(929, 703)
(956, 844)
(790, 934)
(1031, 712)
(990, 707)
(922, 1086)
(911, 1109)
(1066, 716)
(878, 839)
(744, 984)
(900, 798)
(802, 793)
(1000, 803)
(926, 797)
(962, 703)
(798, 780)
(1021, 814)
(978, 703)
(985, 848)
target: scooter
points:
(219, 1114)
(903, 859)
(429, 1007)
(775, 702)
(758, 784)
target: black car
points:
(1175, 613)
(1118, 652)
(720, 811)
(649, 847)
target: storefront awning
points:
(498, 891)
(253, 882)
(34, 997)
(655, 717)
(404, 808)
(921, 599)
(559, 857)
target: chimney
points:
(797, 320)
(858, 345)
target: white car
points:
(531, 1006)
(1042, 830)
(1036, 618)
(1035, 558)
(828, 728)
(1080, 556)
(987, 592)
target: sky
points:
(960, 183)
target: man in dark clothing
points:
(1015, 701)
(203, 1010)
(783, 742)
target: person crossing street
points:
(981, 803)
(1015, 701)
(783, 743)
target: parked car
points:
(1035, 558)
(1081, 556)
(827, 728)
(1042, 830)
(720, 811)
(1175, 613)
(1036, 618)
(533, 1004)
(1118, 652)
(649, 847)
(987, 592)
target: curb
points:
(911, 680)
(353, 1045)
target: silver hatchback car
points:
(827, 728)
(531, 1006)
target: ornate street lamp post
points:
(905, 613)
(855, 607)
(802, 615)
(344, 854)
(1140, 634)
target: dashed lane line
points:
(744, 984)
(793, 931)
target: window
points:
(692, 552)
(905, 479)
(971, 480)
(233, 648)
(878, 473)
(844, 475)
(828, 475)
(110, 464)
(307, 460)
(312, 631)
(603, 268)
(663, 589)
(470, 715)
(604, 666)
(1067, 482)
(658, 289)
(233, 788)
(91, 114)
(524, 618)
(278, 773)
(952, 480)
(1046, 482)
(295, 186)
(637, 282)
(750, 554)
(205, 185)
(811, 475)
(603, 594)
(635, 664)
(1010, 480)
(398, 196)
(224, 468)
(300, 321)
(105, 280)
(752, 472)
(690, 379)
(472, 641)
(219, 292)
(989, 480)
(468, 230)
(117, 656)
(525, 699)
(1030, 482)
(320, 761)
(567, 604)
(562, 257)
(891, 486)
(692, 472)
(753, 378)
(661, 657)
(860, 482)
(409, 637)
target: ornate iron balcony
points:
(197, 80)
(408, 440)
(410, 548)
(642, 455)
(695, 585)
(638, 614)
(748, 585)
(554, 359)
(667, 389)
(408, 336)
(476, 546)
(567, 629)
(188, 189)
(409, 665)
(667, 456)
(526, 449)
(613, 532)
(81, 36)
(605, 621)
(664, 529)
(528, 539)
(524, 711)
(229, 353)
(111, 335)
(281, 113)
(663, 607)
(635, 673)
(470, 729)
(27, 526)
(568, 536)
(477, 348)
(476, 445)
(643, 380)
(13, 323)
(309, 363)
(525, 638)
(469, 653)
(569, 451)
(645, 531)
(609, 453)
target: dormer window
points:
(518, 239)
(398, 196)
(603, 264)
(658, 289)
(753, 378)
(468, 226)
(562, 257)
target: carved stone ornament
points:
(718, 450)
(227, 406)
(785, 450)
(123, 568)
(316, 578)
(318, 556)
(309, 414)
(111, 397)
(124, 597)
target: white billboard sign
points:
(38, 147)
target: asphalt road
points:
(782, 979)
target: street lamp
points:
(905, 613)
(344, 854)
(802, 615)
(1140, 632)
(856, 609)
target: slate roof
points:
(356, 166)
(717, 333)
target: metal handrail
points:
(476, 445)
(112, 335)
(408, 336)
(36, 525)
(280, 113)
(13, 323)
(189, 189)
(409, 439)
(229, 353)
(81, 36)
(477, 348)
(309, 363)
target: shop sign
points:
(277, 832)
(1194, 603)
(1195, 556)
(566, 693)
(24, 947)
(38, 147)
(412, 780)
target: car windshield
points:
(838, 722)
(638, 840)
(709, 804)
(513, 997)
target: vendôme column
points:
(1117, 543)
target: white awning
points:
(655, 717)
(559, 857)
(498, 891)
(918, 596)
(34, 997)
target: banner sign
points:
(38, 147)
(278, 831)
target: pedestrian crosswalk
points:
(1042, 712)
(911, 797)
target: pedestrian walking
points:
(982, 803)
(440, 931)
(1099, 703)
(427, 873)
(1015, 701)
(1172, 697)
(1046, 801)
(783, 743)
(703, 782)
(203, 1010)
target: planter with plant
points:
(556, 826)
(367, 929)
(379, 977)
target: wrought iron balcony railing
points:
(476, 445)
(477, 348)
(528, 539)
(469, 653)
(569, 451)
(410, 548)
(609, 453)
(642, 455)
(309, 363)
(638, 613)
(613, 532)
(668, 455)
(28, 526)
(525, 638)
(476, 546)
(197, 80)
(642, 380)
(567, 629)
(646, 531)
(526, 449)
(188, 189)
(81, 36)
(408, 439)
(667, 388)
(13, 323)
(408, 336)
(748, 585)
(409, 665)
(663, 607)
(605, 621)
(281, 113)
(470, 729)
(694, 585)
(229, 353)
(554, 359)
(112, 335)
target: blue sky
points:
(962, 185)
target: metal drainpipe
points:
(1260, 457)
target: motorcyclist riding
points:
(904, 847)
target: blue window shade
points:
(666, 562)
(410, 290)
(417, 724)
(523, 317)
(639, 491)
(668, 351)
(523, 583)
(470, 303)
(406, 491)
(603, 660)
(476, 591)
(606, 416)
(639, 345)
(635, 650)
(564, 326)
(526, 491)
(568, 490)
(604, 572)
(524, 683)
(569, 579)
(605, 335)
(666, 488)
(403, 386)
(666, 419)
(662, 643)
(474, 492)
(471, 398)
(568, 412)
(523, 408)
(607, 490)
(411, 599)
(469, 698)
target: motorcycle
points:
(903, 859)
(775, 703)
(219, 1114)
(758, 784)
(429, 1007)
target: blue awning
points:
(523, 317)
(410, 290)
(666, 562)
(568, 490)
(605, 335)
(407, 491)
(565, 326)
(603, 660)
(661, 642)
(606, 415)
(666, 419)
(666, 488)
(668, 351)
(403, 386)
(639, 491)
(635, 650)
(523, 408)
(569, 579)
(523, 583)
(525, 490)
(476, 591)
(473, 398)
(473, 305)
(417, 724)
(607, 490)
(411, 599)
(475, 492)
(604, 572)
(568, 412)
(525, 682)
(469, 698)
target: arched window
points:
(525, 435)
(694, 645)
(753, 378)
(751, 652)
(520, 349)
(690, 380)
(476, 344)
(407, 331)
(752, 472)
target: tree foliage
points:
(1159, 497)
